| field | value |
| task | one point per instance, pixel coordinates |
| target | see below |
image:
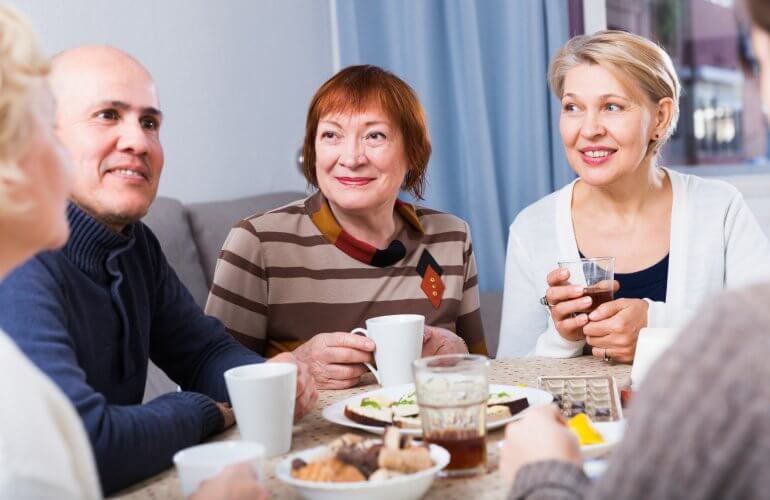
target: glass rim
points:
(585, 259)
(476, 359)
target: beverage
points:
(452, 391)
(598, 297)
(467, 449)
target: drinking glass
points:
(596, 275)
(452, 391)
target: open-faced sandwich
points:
(351, 458)
(405, 413)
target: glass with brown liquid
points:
(596, 274)
(452, 391)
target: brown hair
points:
(356, 88)
(760, 13)
(646, 65)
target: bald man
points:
(92, 314)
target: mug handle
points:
(357, 331)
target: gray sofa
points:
(192, 235)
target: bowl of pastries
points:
(355, 467)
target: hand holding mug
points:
(306, 395)
(336, 359)
(614, 329)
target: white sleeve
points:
(747, 249)
(526, 327)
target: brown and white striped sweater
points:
(288, 274)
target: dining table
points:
(313, 431)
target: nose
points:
(133, 139)
(592, 125)
(352, 154)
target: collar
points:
(91, 243)
(321, 214)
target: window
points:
(721, 117)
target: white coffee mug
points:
(204, 461)
(398, 340)
(651, 343)
(262, 395)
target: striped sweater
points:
(288, 274)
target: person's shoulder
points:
(435, 221)
(534, 214)
(39, 271)
(705, 188)
(279, 219)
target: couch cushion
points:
(211, 222)
(168, 220)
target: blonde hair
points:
(23, 67)
(644, 64)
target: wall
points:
(234, 77)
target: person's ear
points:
(663, 116)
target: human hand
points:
(336, 359)
(235, 482)
(227, 414)
(306, 395)
(541, 435)
(568, 304)
(437, 341)
(614, 326)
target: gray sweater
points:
(700, 426)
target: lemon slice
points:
(581, 426)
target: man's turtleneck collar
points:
(91, 242)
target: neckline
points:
(91, 243)
(405, 241)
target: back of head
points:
(23, 68)
(636, 61)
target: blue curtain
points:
(479, 68)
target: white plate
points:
(612, 432)
(336, 413)
(406, 487)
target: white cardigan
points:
(716, 243)
(44, 450)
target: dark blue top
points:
(91, 315)
(650, 283)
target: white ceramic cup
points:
(262, 395)
(204, 461)
(650, 345)
(398, 340)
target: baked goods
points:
(351, 458)
(404, 412)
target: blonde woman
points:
(44, 451)
(676, 238)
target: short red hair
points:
(353, 90)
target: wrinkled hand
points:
(335, 359)
(615, 326)
(228, 414)
(541, 435)
(566, 301)
(437, 341)
(307, 395)
(236, 482)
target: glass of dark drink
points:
(596, 274)
(452, 391)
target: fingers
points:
(563, 293)
(343, 372)
(349, 340)
(607, 310)
(557, 277)
(344, 355)
(619, 355)
(331, 383)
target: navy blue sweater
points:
(91, 315)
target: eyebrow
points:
(603, 96)
(121, 105)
